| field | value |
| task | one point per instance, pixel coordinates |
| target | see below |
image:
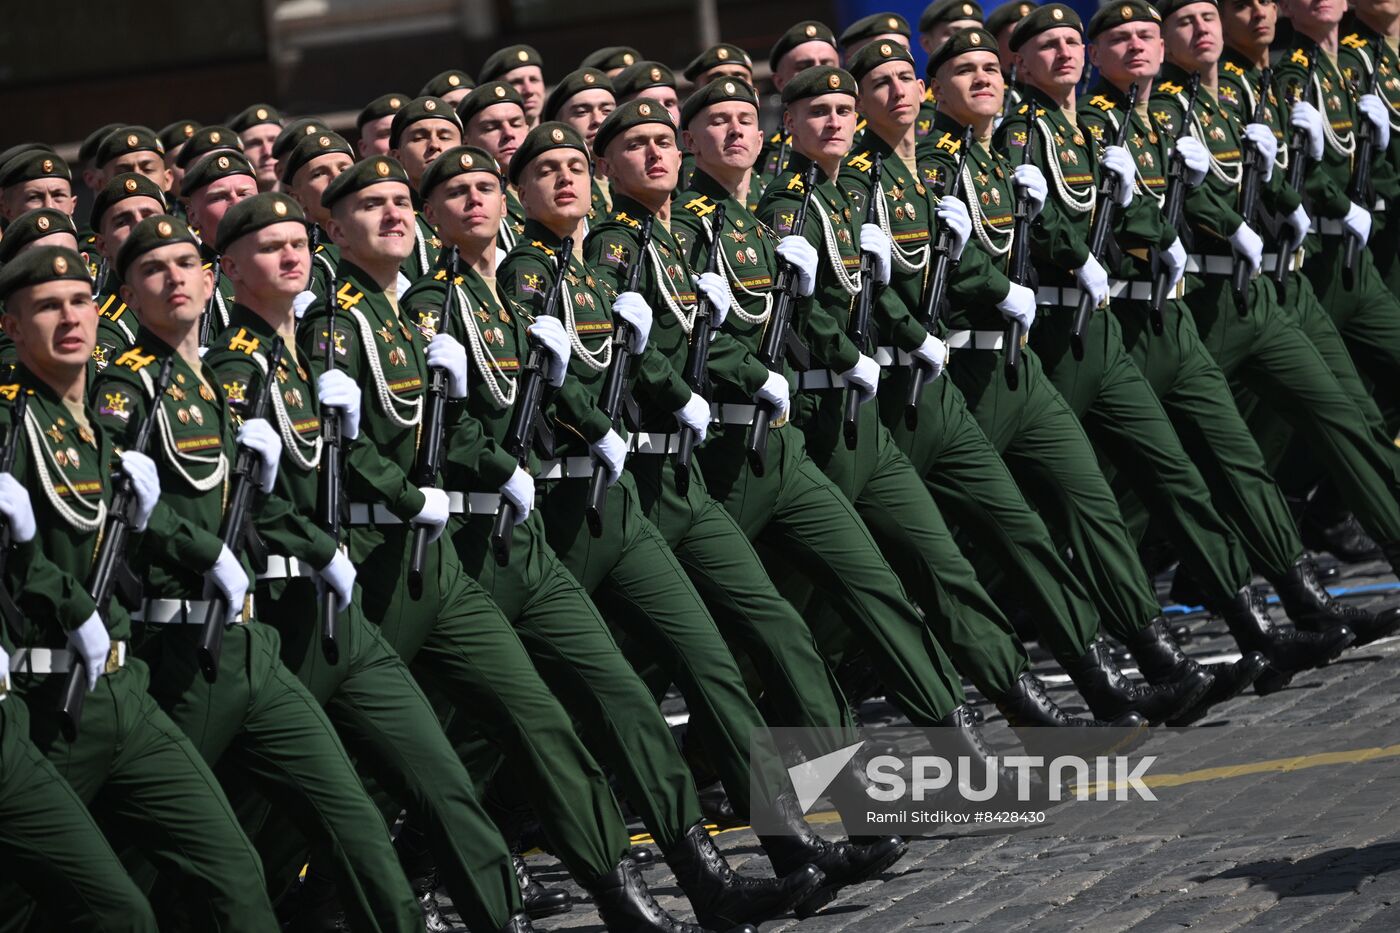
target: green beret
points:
(1124, 11)
(372, 171)
(219, 165)
(418, 110)
(123, 186)
(34, 225)
(205, 140)
(633, 113)
(153, 233)
(814, 82)
(1168, 7)
(876, 24)
(714, 57)
(45, 264)
(312, 147)
(874, 54)
(508, 59)
(1009, 13)
(809, 30)
(585, 79)
(637, 78)
(252, 214)
(22, 149)
(177, 133)
(1041, 19)
(453, 79)
(88, 150)
(127, 139)
(540, 140)
(385, 105)
(717, 91)
(294, 133)
(610, 57)
(459, 160)
(254, 115)
(948, 11)
(37, 163)
(971, 39)
(487, 95)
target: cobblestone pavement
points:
(1285, 816)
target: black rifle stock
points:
(1361, 173)
(1173, 201)
(699, 359)
(425, 470)
(1249, 195)
(1297, 165)
(1019, 262)
(211, 308)
(331, 481)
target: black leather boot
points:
(722, 897)
(1340, 535)
(1313, 609)
(1288, 651)
(626, 905)
(716, 808)
(1110, 693)
(642, 855)
(1161, 661)
(520, 923)
(539, 901)
(960, 737)
(1029, 710)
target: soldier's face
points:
(149, 164)
(467, 208)
(1193, 36)
(53, 325)
(933, 40)
(1315, 15)
(822, 126)
(311, 180)
(666, 97)
(116, 225)
(424, 141)
(970, 88)
(587, 110)
(499, 130)
(1378, 10)
(257, 146)
(890, 96)
(1248, 24)
(374, 137)
(1053, 60)
(528, 80)
(725, 134)
(1128, 52)
(270, 264)
(644, 160)
(554, 187)
(56, 193)
(168, 287)
(209, 204)
(804, 56)
(375, 223)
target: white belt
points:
(1270, 261)
(975, 340)
(735, 413)
(60, 660)
(566, 468)
(1328, 227)
(485, 503)
(1379, 206)
(1056, 296)
(282, 568)
(1130, 290)
(820, 379)
(643, 442)
(888, 356)
(1210, 265)
(183, 611)
(363, 513)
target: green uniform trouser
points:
(972, 485)
(391, 730)
(1125, 421)
(1197, 399)
(1042, 442)
(149, 788)
(1269, 354)
(258, 721)
(51, 848)
(454, 637)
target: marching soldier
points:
(32, 180)
(121, 204)
(294, 132)
(807, 44)
(1367, 51)
(493, 120)
(1000, 23)
(173, 137)
(451, 85)
(374, 121)
(420, 132)
(258, 127)
(583, 100)
(521, 67)
(719, 61)
(213, 185)
(941, 19)
(877, 27)
(611, 59)
(307, 171)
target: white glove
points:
(611, 451)
(802, 256)
(435, 511)
(1093, 279)
(1358, 222)
(1263, 139)
(1018, 305)
(336, 389)
(230, 579)
(519, 491)
(864, 377)
(633, 308)
(339, 575)
(932, 352)
(17, 510)
(1248, 245)
(776, 392)
(92, 643)
(714, 288)
(952, 214)
(1118, 161)
(450, 356)
(1304, 116)
(695, 414)
(303, 301)
(1174, 257)
(1298, 224)
(1030, 179)
(258, 436)
(874, 242)
(1374, 109)
(550, 334)
(145, 484)
(1195, 157)
(4, 670)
